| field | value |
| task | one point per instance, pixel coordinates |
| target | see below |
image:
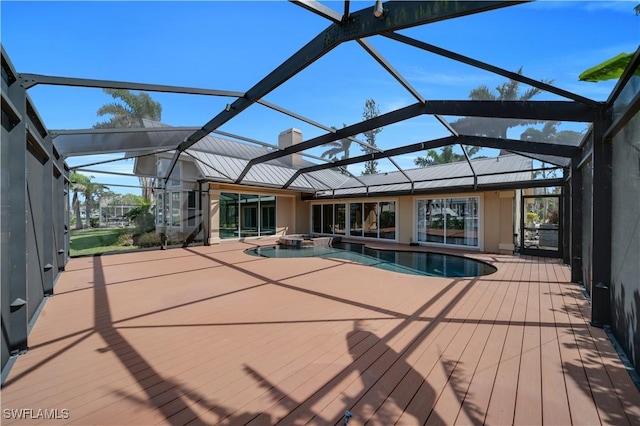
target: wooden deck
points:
(211, 335)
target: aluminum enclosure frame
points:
(27, 135)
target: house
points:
(442, 205)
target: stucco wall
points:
(303, 216)
(285, 218)
(507, 201)
(405, 217)
(625, 239)
(190, 171)
(491, 214)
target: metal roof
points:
(223, 160)
(502, 170)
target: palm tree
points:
(446, 155)
(342, 146)
(428, 160)
(496, 127)
(550, 134)
(130, 113)
(79, 184)
(92, 193)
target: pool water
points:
(408, 262)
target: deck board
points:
(211, 335)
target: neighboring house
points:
(443, 205)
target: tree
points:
(129, 113)
(446, 155)
(342, 146)
(79, 183)
(129, 200)
(371, 110)
(496, 127)
(92, 193)
(550, 134)
(428, 160)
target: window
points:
(370, 219)
(451, 221)
(267, 215)
(388, 220)
(159, 209)
(340, 219)
(175, 175)
(316, 218)
(247, 215)
(191, 208)
(327, 218)
(175, 208)
(229, 226)
(355, 228)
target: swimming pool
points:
(408, 262)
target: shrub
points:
(142, 217)
(124, 239)
(177, 238)
(149, 239)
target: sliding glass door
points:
(247, 215)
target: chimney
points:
(288, 138)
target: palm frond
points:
(481, 93)
(331, 153)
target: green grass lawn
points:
(92, 241)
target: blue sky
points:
(233, 45)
